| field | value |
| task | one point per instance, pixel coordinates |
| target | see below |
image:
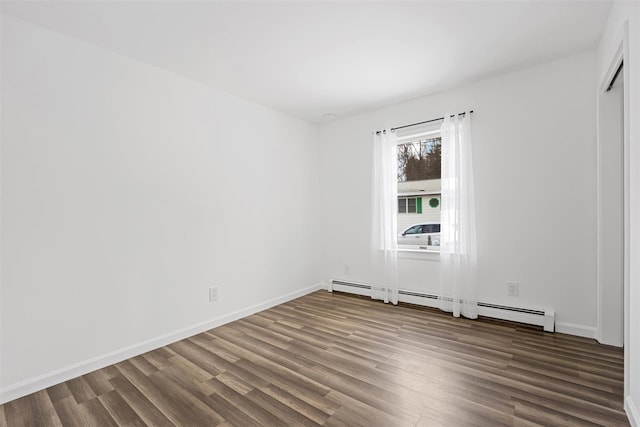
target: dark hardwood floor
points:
(340, 360)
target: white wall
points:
(534, 140)
(629, 12)
(127, 192)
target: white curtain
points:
(458, 256)
(384, 210)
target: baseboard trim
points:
(577, 330)
(632, 412)
(34, 384)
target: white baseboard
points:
(632, 412)
(577, 330)
(58, 376)
(532, 316)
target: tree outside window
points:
(419, 160)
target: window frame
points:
(432, 132)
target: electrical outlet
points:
(513, 289)
(347, 269)
(213, 294)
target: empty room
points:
(336, 213)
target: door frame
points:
(619, 55)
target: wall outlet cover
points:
(213, 294)
(513, 289)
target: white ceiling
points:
(313, 58)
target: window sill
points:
(420, 254)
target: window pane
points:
(419, 172)
(402, 205)
(419, 160)
(411, 205)
(431, 228)
(414, 230)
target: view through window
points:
(419, 192)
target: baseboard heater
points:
(531, 316)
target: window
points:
(416, 229)
(409, 205)
(431, 228)
(419, 170)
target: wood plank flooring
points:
(341, 360)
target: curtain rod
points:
(422, 123)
